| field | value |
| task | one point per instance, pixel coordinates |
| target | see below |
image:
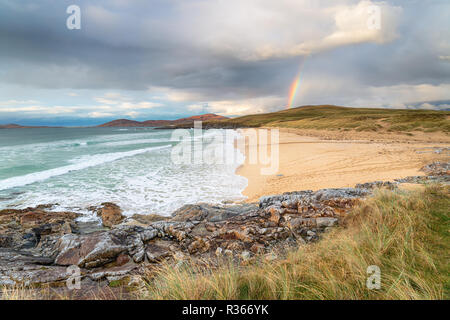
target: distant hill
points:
(10, 126)
(321, 117)
(18, 126)
(203, 117)
(162, 123)
(329, 117)
(122, 123)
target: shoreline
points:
(122, 248)
(308, 161)
(331, 160)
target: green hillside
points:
(329, 117)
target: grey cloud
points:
(135, 45)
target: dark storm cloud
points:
(41, 52)
(194, 47)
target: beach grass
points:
(404, 233)
(22, 292)
(329, 117)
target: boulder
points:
(199, 245)
(274, 214)
(89, 251)
(24, 228)
(20, 267)
(114, 273)
(36, 218)
(324, 222)
(157, 252)
(147, 219)
(122, 259)
(111, 214)
(210, 213)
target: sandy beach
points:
(316, 160)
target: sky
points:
(166, 59)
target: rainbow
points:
(293, 91)
(294, 86)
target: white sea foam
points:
(138, 181)
(134, 141)
(88, 161)
(67, 143)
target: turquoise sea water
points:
(79, 167)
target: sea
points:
(73, 169)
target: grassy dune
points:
(405, 233)
(343, 118)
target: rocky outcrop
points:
(378, 184)
(306, 213)
(37, 238)
(437, 171)
(24, 228)
(437, 168)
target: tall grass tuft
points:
(21, 292)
